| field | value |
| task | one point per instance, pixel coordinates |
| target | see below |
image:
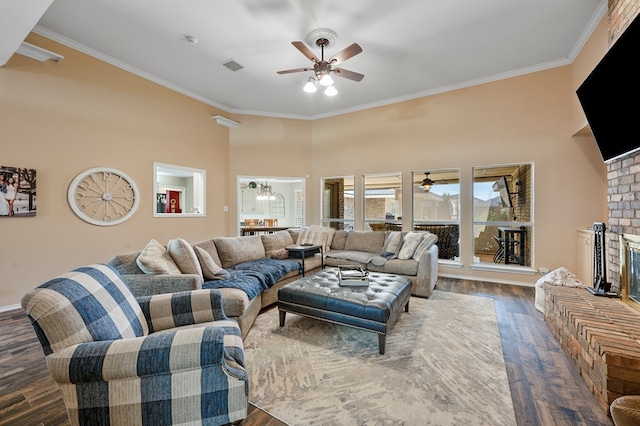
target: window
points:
(383, 201)
(502, 214)
(437, 209)
(337, 202)
(277, 206)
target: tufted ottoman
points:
(374, 308)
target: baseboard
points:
(489, 280)
(9, 308)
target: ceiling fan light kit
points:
(310, 87)
(324, 37)
(326, 80)
(330, 91)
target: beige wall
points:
(270, 147)
(64, 118)
(523, 119)
(591, 53)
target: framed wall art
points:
(17, 191)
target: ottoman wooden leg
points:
(382, 340)
(281, 315)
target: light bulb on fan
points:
(330, 91)
(326, 80)
(310, 87)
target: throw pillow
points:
(392, 245)
(210, 269)
(428, 240)
(560, 277)
(280, 254)
(184, 256)
(410, 242)
(327, 230)
(275, 241)
(317, 236)
(155, 259)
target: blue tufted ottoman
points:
(374, 308)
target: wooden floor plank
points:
(546, 388)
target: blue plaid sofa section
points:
(168, 359)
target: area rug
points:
(443, 366)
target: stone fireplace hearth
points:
(600, 335)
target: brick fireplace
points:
(623, 174)
(602, 335)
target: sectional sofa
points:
(250, 270)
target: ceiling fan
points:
(321, 67)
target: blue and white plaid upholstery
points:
(169, 359)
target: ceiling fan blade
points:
(355, 76)
(295, 70)
(305, 51)
(346, 53)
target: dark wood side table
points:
(303, 251)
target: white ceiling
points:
(17, 19)
(411, 48)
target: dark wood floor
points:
(545, 387)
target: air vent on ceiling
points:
(232, 65)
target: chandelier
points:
(265, 192)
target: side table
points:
(304, 251)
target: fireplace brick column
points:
(623, 174)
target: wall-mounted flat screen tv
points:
(502, 187)
(610, 94)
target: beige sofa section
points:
(229, 251)
(226, 252)
(364, 248)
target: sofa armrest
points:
(150, 284)
(170, 310)
(144, 357)
(427, 272)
